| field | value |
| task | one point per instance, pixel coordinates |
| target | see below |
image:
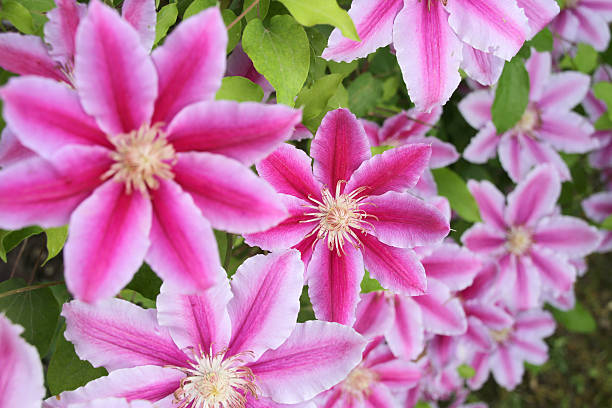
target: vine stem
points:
(228, 250)
(244, 13)
(30, 288)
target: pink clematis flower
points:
(29, 55)
(139, 158)
(434, 38)
(21, 373)
(583, 21)
(547, 125)
(598, 207)
(531, 243)
(220, 348)
(600, 158)
(353, 211)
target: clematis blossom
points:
(354, 211)
(548, 124)
(238, 347)
(583, 21)
(532, 244)
(433, 39)
(139, 159)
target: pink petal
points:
(533, 351)
(539, 13)
(380, 397)
(494, 317)
(478, 335)
(239, 64)
(190, 64)
(118, 334)
(228, 193)
(21, 375)
(315, 357)
(598, 206)
(339, 148)
(483, 286)
(568, 235)
(374, 24)
(497, 27)
(47, 116)
(119, 223)
(565, 26)
(491, 203)
(60, 31)
(333, 282)
(289, 171)
(442, 153)
(405, 337)
(564, 91)
(397, 170)
(483, 146)
(197, 320)
(427, 188)
(397, 374)
(428, 52)
(484, 239)
(261, 319)
(247, 132)
(397, 269)
(602, 157)
(375, 314)
(441, 313)
(512, 156)
(525, 293)
(28, 55)
(476, 107)
(556, 273)
(567, 131)
(11, 149)
(484, 67)
(114, 75)
(142, 16)
(405, 126)
(534, 323)
(452, 265)
(371, 129)
(592, 29)
(538, 152)
(301, 132)
(183, 248)
(601, 7)
(534, 197)
(113, 403)
(538, 66)
(480, 363)
(507, 368)
(35, 191)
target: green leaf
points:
(342, 68)
(369, 284)
(18, 15)
(603, 91)
(166, 17)
(314, 12)
(604, 122)
(365, 93)
(196, 6)
(10, 239)
(543, 41)
(607, 224)
(260, 11)
(422, 404)
(136, 298)
(390, 88)
(233, 35)
(241, 89)
(56, 238)
(379, 149)
(452, 186)
(281, 53)
(577, 320)
(315, 99)
(586, 58)
(511, 96)
(66, 370)
(465, 371)
(36, 310)
(145, 282)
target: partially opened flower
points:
(548, 124)
(354, 211)
(139, 159)
(598, 207)
(583, 21)
(434, 38)
(221, 348)
(532, 244)
(21, 373)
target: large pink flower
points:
(139, 158)
(532, 244)
(434, 38)
(221, 348)
(353, 211)
(547, 125)
(583, 21)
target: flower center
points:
(529, 122)
(339, 216)
(141, 156)
(214, 381)
(518, 240)
(500, 335)
(359, 381)
(571, 3)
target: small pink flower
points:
(222, 348)
(583, 21)
(354, 211)
(532, 244)
(547, 125)
(139, 159)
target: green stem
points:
(244, 13)
(228, 250)
(30, 288)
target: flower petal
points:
(114, 74)
(315, 357)
(406, 337)
(478, 335)
(183, 248)
(533, 351)
(493, 316)
(476, 107)
(512, 156)
(491, 203)
(483, 146)
(113, 403)
(11, 149)
(404, 126)
(142, 16)
(539, 13)
(374, 24)
(556, 273)
(118, 334)
(598, 207)
(483, 286)
(114, 221)
(428, 52)
(484, 67)
(507, 368)
(480, 363)
(381, 397)
(442, 314)
(484, 239)
(592, 29)
(228, 193)
(567, 131)
(535, 323)
(563, 91)
(261, 319)
(28, 55)
(569, 235)
(371, 129)
(539, 152)
(538, 67)
(525, 292)
(247, 131)
(60, 31)
(452, 265)
(374, 314)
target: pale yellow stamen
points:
(500, 335)
(444, 2)
(529, 122)
(359, 382)
(141, 157)
(339, 216)
(518, 240)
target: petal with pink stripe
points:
(28, 55)
(142, 16)
(476, 107)
(568, 235)
(491, 203)
(484, 67)
(11, 149)
(60, 31)
(452, 265)
(442, 314)
(483, 146)
(563, 91)
(539, 13)
(406, 337)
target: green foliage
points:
(365, 92)
(317, 100)
(36, 310)
(259, 11)
(196, 6)
(586, 58)
(145, 282)
(18, 15)
(234, 33)
(239, 89)
(379, 149)
(314, 12)
(511, 96)
(10, 239)
(465, 371)
(452, 186)
(577, 320)
(543, 41)
(166, 17)
(280, 52)
(607, 224)
(136, 298)
(369, 284)
(603, 91)
(56, 238)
